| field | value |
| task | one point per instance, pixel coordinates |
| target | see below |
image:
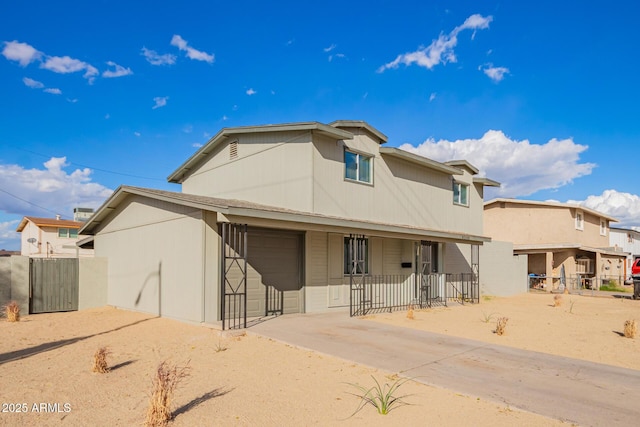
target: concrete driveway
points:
(586, 393)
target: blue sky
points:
(541, 96)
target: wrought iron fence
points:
(379, 293)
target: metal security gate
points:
(360, 299)
(53, 285)
(234, 276)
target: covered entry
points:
(261, 273)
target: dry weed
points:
(410, 312)
(501, 324)
(557, 300)
(12, 311)
(165, 382)
(100, 364)
(630, 329)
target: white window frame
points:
(359, 156)
(579, 220)
(603, 227)
(457, 199)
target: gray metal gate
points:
(53, 285)
(360, 299)
(234, 276)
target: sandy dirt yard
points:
(247, 380)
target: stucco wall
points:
(92, 279)
(14, 281)
(156, 253)
(501, 272)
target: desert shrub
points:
(167, 378)
(410, 312)
(557, 300)
(100, 364)
(630, 329)
(501, 324)
(486, 318)
(382, 397)
(12, 311)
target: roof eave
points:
(419, 160)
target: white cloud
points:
(21, 52)
(495, 73)
(330, 48)
(625, 207)
(137, 134)
(66, 64)
(34, 84)
(73, 101)
(156, 59)
(432, 96)
(192, 53)
(250, 91)
(521, 167)
(52, 188)
(9, 238)
(225, 118)
(440, 51)
(118, 72)
(196, 145)
(160, 101)
(187, 129)
(53, 90)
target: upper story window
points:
(629, 238)
(460, 194)
(603, 227)
(579, 221)
(357, 166)
(71, 233)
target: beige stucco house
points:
(50, 238)
(291, 218)
(556, 236)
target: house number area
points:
(40, 407)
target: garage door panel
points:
(274, 259)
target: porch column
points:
(597, 269)
(549, 270)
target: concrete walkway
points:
(571, 390)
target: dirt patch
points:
(46, 367)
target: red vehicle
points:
(635, 273)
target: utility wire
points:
(26, 201)
(90, 167)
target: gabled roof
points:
(382, 138)
(486, 182)
(48, 222)
(550, 204)
(248, 210)
(419, 160)
(463, 164)
(192, 162)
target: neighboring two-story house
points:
(557, 237)
(50, 238)
(626, 240)
(285, 218)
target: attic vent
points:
(233, 149)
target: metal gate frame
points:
(234, 292)
(359, 301)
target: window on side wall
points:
(579, 221)
(603, 227)
(357, 166)
(460, 194)
(347, 263)
(68, 233)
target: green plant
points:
(381, 397)
(486, 318)
(220, 346)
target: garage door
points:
(274, 259)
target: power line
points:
(27, 201)
(91, 167)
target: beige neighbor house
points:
(50, 238)
(557, 237)
(297, 217)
